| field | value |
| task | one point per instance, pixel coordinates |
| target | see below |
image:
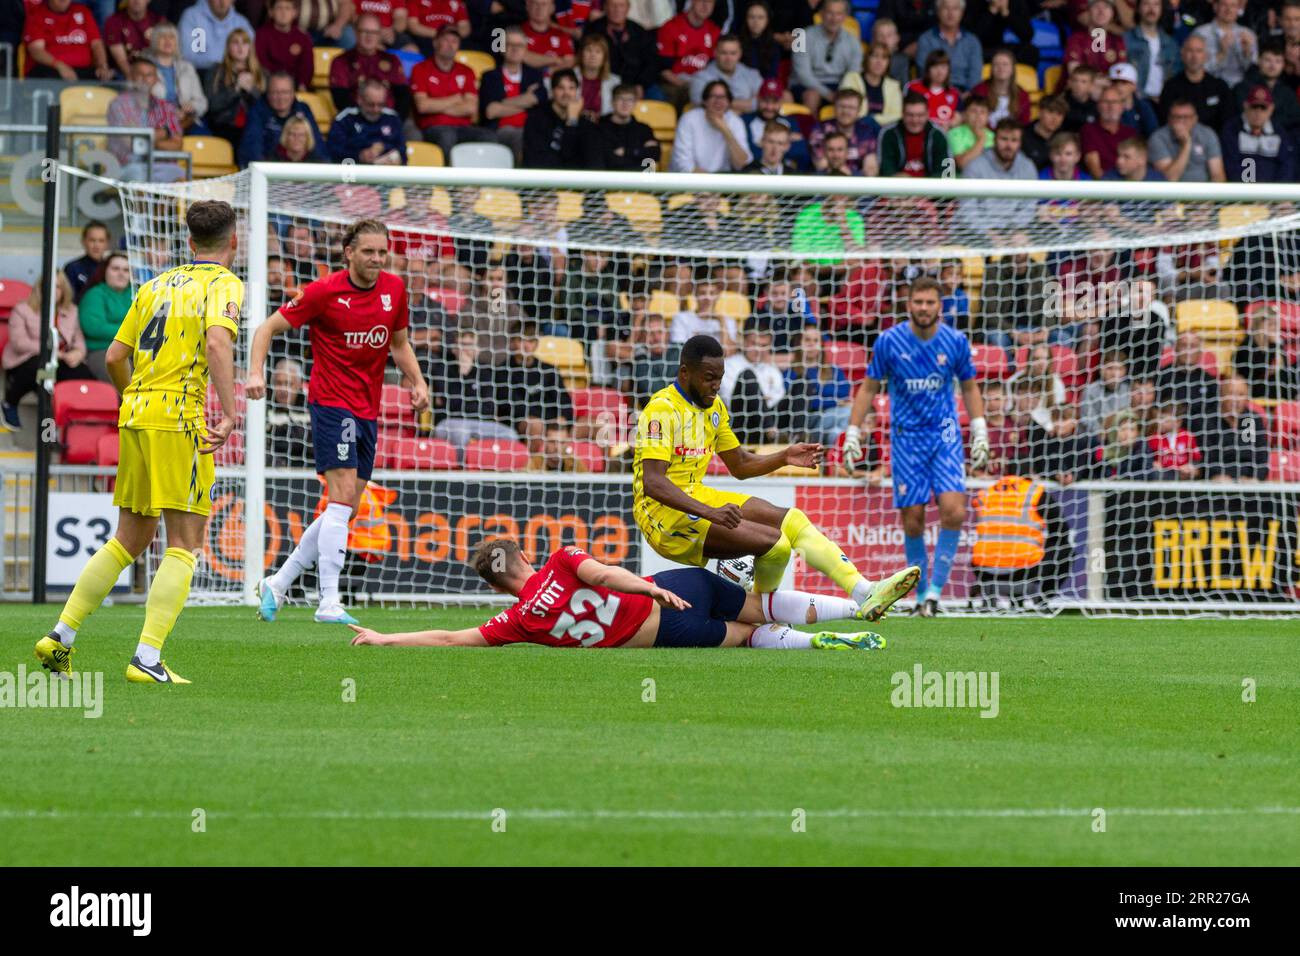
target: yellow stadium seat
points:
(321, 106)
(566, 355)
(1026, 76)
(827, 112)
(424, 154)
(1051, 77)
(1240, 215)
(659, 116)
(323, 59)
(850, 24)
(641, 209)
(440, 200)
(665, 154)
(499, 205)
(662, 302)
(677, 200)
(569, 208)
(1211, 318)
(85, 105)
(211, 156)
(477, 61)
(795, 109)
(733, 305)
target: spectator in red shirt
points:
(283, 47)
(63, 43)
(686, 44)
(424, 18)
(369, 61)
(1173, 448)
(941, 97)
(549, 47)
(446, 96)
(1096, 46)
(1101, 139)
(392, 18)
(126, 33)
(509, 92)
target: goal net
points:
(1136, 344)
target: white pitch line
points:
(558, 814)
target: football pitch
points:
(1114, 743)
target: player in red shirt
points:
(356, 316)
(576, 601)
(549, 48)
(63, 42)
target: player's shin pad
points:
(818, 551)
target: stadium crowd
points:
(1065, 90)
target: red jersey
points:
(1173, 451)
(383, 9)
(577, 15)
(132, 34)
(67, 35)
(558, 609)
(942, 103)
(513, 87)
(550, 41)
(429, 79)
(436, 14)
(351, 329)
(689, 47)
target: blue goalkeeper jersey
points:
(921, 374)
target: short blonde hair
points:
(293, 122)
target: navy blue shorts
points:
(714, 601)
(342, 440)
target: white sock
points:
(147, 653)
(300, 559)
(780, 637)
(793, 606)
(66, 634)
(862, 590)
(333, 551)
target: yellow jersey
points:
(167, 331)
(674, 429)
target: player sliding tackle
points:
(357, 316)
(688, 522)
(920, 359)
(576, 601)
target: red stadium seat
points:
(496, 456)
(395, 411)
(106, 452)
(590, 402)
(990, 362)
(591, 455)
(231, 451)
(241, 403)
(11, 293)
(84, 401)
(848, 357)
(1286, 425)
(81, 441)
(405, 453)
(1073, 373)
(1284, 466)
(4, 335)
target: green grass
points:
(1122, 715)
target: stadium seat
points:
(81, 441)
(11, 293)
(590, 402)
(4, 334)
(482, 155)
(641, 209)
(734, 306)
(498, 205)
(1026, 76)
(1211, 318)
(665, 303)
(477, 61)
(848, 357)
(1051, 77)
(569, 206)
(214, 404)
(496, 456)
(85, 105)
(406, 453)
(231, 452)
(323, 59)
(795, 109)
(1074, 374)
(1284, 466)
(107, 451)
(395, 409)
(659, 116)
(84, 401)
(1240, 215)
(591, 455)
(827, 112)
(567, 356)
(322, 109)
(849, 24)
(1286, 425)
(209, 156)
(990, 362)
(424, 154)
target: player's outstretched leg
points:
(776, 636)
(94, 583)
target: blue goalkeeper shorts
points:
(925, 464)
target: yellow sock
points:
(769, 568)
(167, 596)
(820, 552)
(94, 582)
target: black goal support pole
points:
(45, 434)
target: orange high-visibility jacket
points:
(1009, 530)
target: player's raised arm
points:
(743, 463)
(469, 637)
(598, 574)
(277, 324)
(862, 416)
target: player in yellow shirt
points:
(686, 521)
(180, 329)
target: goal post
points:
(1129, 268)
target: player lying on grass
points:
(686, 521)
(576, 601)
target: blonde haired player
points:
(684, 520)
(180, 330)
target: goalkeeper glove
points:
(852, 445)
(979, 446)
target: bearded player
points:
(576, 601)
(356, 317)
(921, 358)
(680, 429)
